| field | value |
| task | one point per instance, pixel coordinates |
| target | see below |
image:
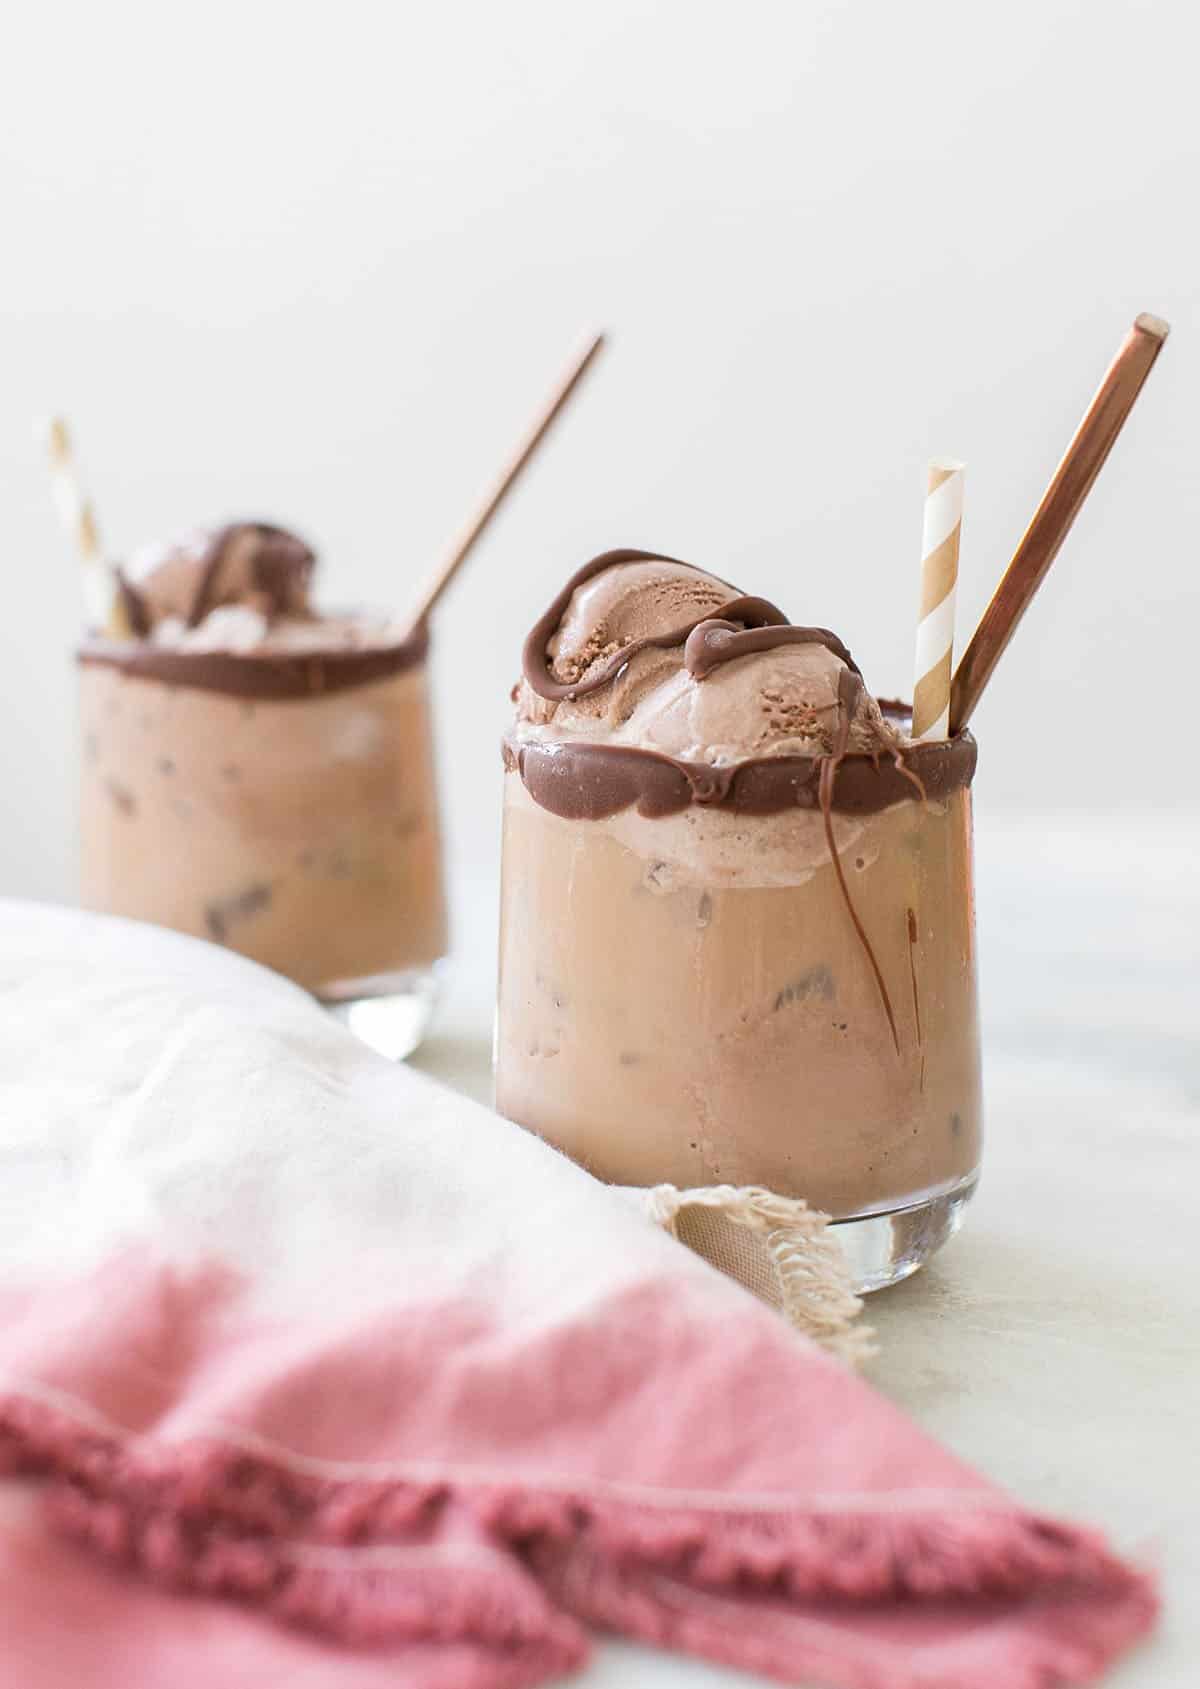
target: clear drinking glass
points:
(689, 999)
(301, 830)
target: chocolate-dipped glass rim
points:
(581, 780)
(266, 675)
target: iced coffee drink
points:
(260, 775)
(737, 935)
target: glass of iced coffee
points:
(260, 774)
(737, 932)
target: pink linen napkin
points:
(313, 1373)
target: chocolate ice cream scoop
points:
(646, 651)
(626, 603)
(251, 564)
(785, 693)
(622, 603)
(654, 684)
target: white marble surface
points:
(1056, 1341)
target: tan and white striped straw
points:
(101, 594)
(939, 578)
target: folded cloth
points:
(314, 1373)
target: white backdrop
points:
(317, 264)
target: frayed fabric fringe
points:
(776, 1246)
(519, 1572)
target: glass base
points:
(389, 1012)
(882, 1249)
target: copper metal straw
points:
(1061, 504)
(467, 536)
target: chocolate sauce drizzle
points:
(716, 641)
(850, 690)
(134, 606)
(281, 567)
(579, 781)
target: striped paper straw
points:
(102, 599)
(935, 625)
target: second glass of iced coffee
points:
(261, 774)
(737, 932)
